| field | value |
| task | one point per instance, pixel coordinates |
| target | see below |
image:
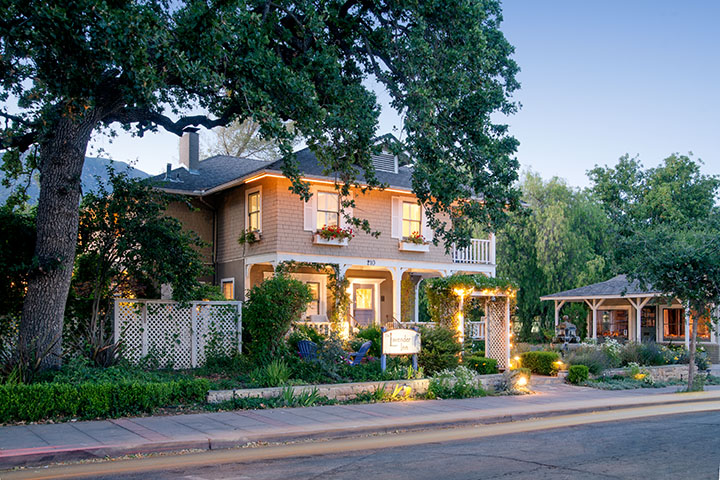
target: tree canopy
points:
(69, 70)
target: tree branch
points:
(147, 119)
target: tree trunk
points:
(691, 354)
(62, 155)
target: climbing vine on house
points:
(337, 284)
(443, 303)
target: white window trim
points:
(230, 280)
(249, 192)
(317, 210)
(396, 219)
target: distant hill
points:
(94, 167)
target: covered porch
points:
(621, 309)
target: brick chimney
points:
(190, 149)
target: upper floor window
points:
(411, 219)
(327, 209)
(253, 209)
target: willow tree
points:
(72, 69)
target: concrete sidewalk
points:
(46, 443)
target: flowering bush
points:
(457, 383)
(335, 232)
(416, 238)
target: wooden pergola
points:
(611, 293)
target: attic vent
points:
(385, 163)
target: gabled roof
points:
(220, 172)
(617, 287)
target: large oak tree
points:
(70, 69)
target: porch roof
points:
(616, 287)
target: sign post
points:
(400, 342)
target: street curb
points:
(44, 455)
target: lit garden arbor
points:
(497, 323)
(448, 296)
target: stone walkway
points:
(37, 444)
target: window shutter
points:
(427, 232)
(396, 217)
(310, 213)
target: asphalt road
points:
(672, 446)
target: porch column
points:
(594, 305)
(638, 303)
(416, 315)
(246, 281)
(558, 306)
(397, 273)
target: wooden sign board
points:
(401, 342)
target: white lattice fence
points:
(177, 335)
(497, 341)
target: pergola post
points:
(558, 306)
(594, 307)
(638, 303)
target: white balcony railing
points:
(479, 251)
(475, 330)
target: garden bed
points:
(342, 391)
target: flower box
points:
(333, 242)
(413, 247)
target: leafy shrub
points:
(542, 363)
(440, 349)
(481, 365)
(651, 354)
(596, 359)
(630, 353)
(612, 349)
(578, 374)
(457, 383)
(268, 313)
(274, 374)
(374, 334)
(33, 402)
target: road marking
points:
(216, 457)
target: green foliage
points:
(443, 304)
(126, 245)
(457, 383)
(596, 359)
(374, 334)
(560, 241)
(274, 374)
(17, 245)
(577, 374)
(268, 313)
(542, 363)
(440, 349)
(33, 402)
(481, 365)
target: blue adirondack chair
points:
(307, 350)
(358, 356)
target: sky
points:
(598, 79)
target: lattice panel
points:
(217, 330)
(496, 342)
(173, 335)
(128, 327)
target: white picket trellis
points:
(177, 335)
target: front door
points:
(364, 304)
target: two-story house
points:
(233, 195)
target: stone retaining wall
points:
(340, 391)
(659, 374)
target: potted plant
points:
(333, 235)
(248, 237)
(414, 243)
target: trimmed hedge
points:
(542, 363)
(481, 365)
(578, 374)
(33, 402)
